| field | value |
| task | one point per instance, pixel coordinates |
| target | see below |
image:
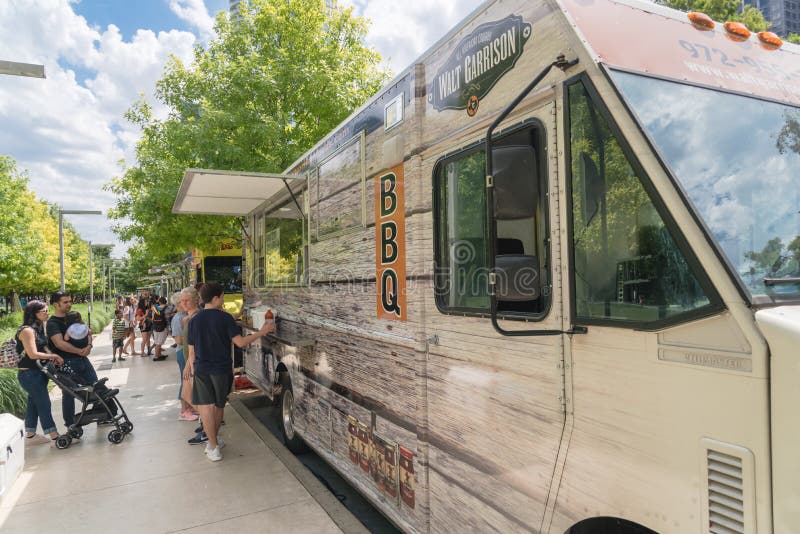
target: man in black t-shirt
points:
(77, 359)
(209, 334)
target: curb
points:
(340, 515)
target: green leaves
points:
(13, 399)
(29, 254)
(268, 87)
(723, 10)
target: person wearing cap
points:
(77, 358)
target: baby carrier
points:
(100, 404)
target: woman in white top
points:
(128, 311)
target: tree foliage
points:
(29, 251)
(265, 89)
(723, 10)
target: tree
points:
(723, 10)
(29, 252)
(269, 86)
(21, 255)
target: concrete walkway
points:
(154, 481)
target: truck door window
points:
(627, 265)
(462, 269)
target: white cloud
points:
(402, 31)
(195, 13)
(69, 132)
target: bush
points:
(13, 399)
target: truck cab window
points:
(627, 265)
(462, 269)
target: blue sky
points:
(132, 15)
(68, 130)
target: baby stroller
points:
(100, 404)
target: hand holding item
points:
(269, 323)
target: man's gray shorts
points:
(212, 389)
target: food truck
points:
(223, 264)
(546, 279)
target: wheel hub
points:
(287, 413)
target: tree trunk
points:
(15, 307)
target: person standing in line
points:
(160, 327)
(209, 335)
(187, 410)
(129, 316)
(144, 321)
(76, 358)
(190, 299)
(117, 336)
(32, 346)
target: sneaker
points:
(187, 416)
(121, 359)
(37, 439)
(215, 455)
(199, 439)
(174, 345)
(220, 444)
(198, 429)
(113, 360)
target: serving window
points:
(279, 244)
(337, 191)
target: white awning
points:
(211, 192)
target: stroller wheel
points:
(126, 427)
(76, 432)
(62, 442)
(116, 436)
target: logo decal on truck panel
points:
(390, 244)
(477, 63)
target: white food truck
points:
(547, 279)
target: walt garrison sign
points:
(477, 63)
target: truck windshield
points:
(226, 270)
(738, 160)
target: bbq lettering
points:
(390, 261)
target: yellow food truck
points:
(222, 265)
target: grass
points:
(101, 316)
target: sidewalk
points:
(154, 481)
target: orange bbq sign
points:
(390, 244)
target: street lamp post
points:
(91, 279)
(61, 214)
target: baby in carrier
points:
(78, 334)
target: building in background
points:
(783, 14)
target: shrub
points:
(13, 399)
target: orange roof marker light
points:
(769, 40)
(736, 31)
(701, 21)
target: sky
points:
(100, 56)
